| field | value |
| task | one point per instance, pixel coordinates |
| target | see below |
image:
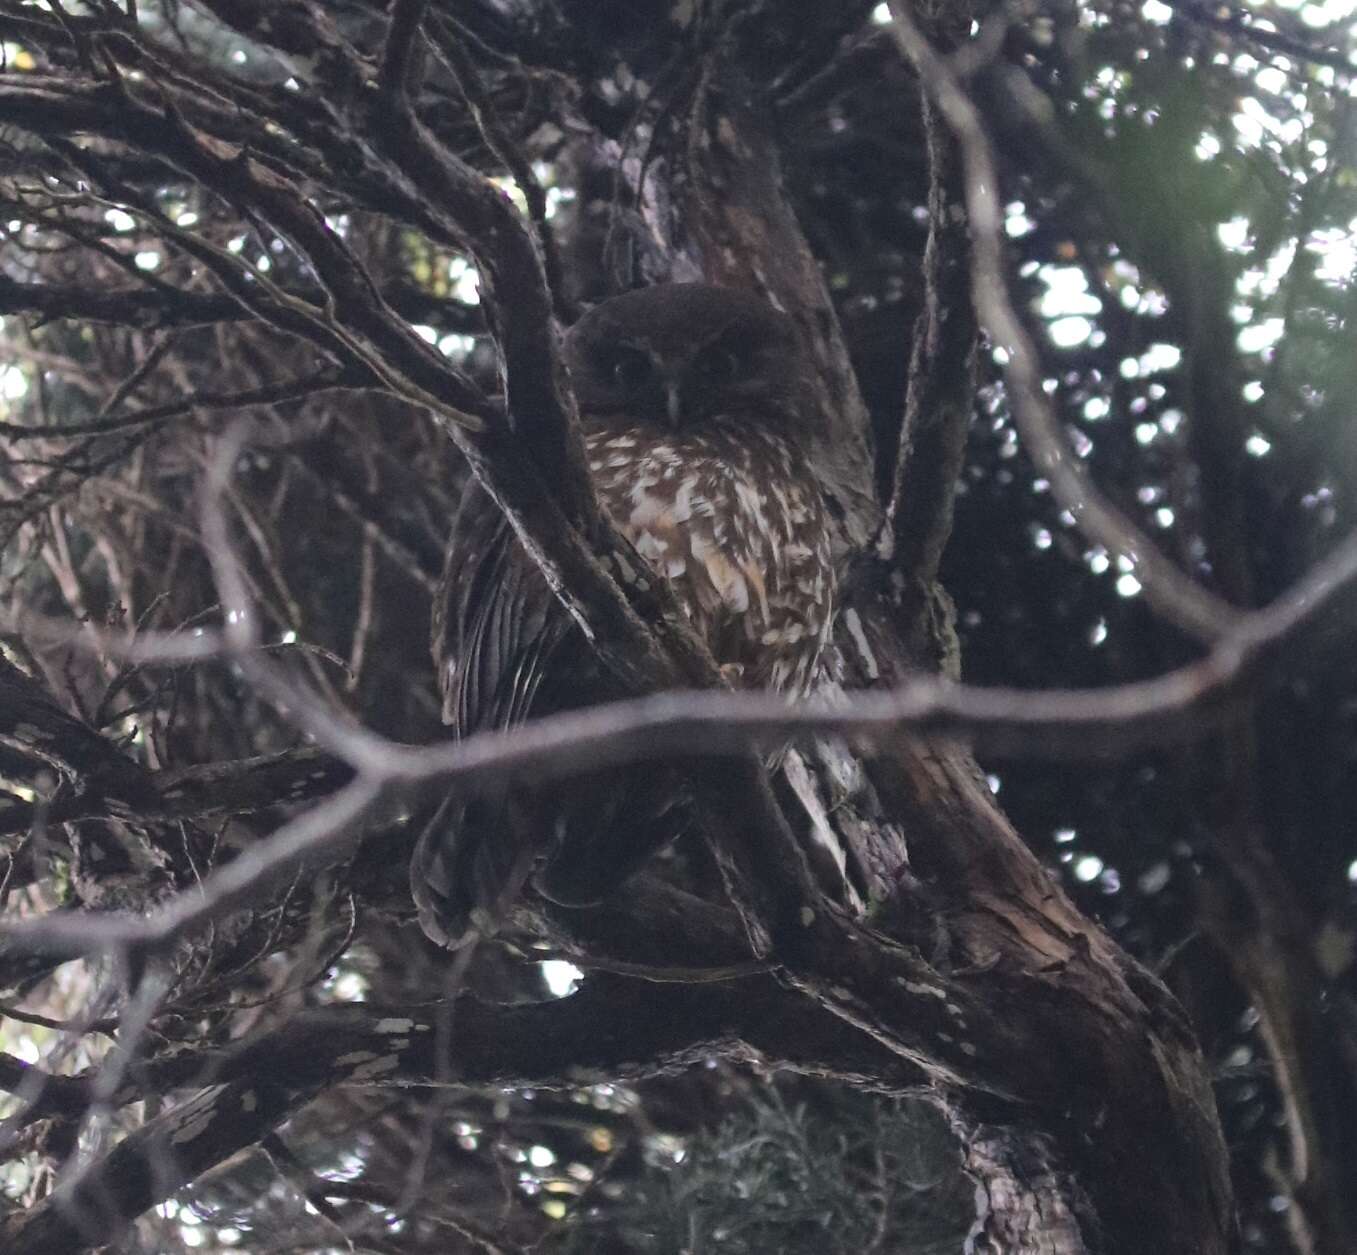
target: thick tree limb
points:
(612, 1029)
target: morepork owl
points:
(692, 400)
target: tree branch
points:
(1176, 596)
(163, 306)
(614, 1029)
(941, 391)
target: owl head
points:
(683, 354)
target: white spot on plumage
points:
(757, 583)
(743, 543)
(652, 548)
(683, 500)
(649, 509)
(725, 578)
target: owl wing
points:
(506, 649)
(496, 624)
(498, 632)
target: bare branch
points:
(614, 1028)
(327, 832)
(941, 389)
(400, 55)
(472, 209)
(1183, 704)
(209, 791)
(1193, 608)
(168, 307)
(451, 50)
(1243, 24)
(267, 394)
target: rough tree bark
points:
(1128, 1069)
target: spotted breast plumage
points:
(692, 402)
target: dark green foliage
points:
(859, 1173)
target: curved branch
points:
(1175, 595)
(613, 1028)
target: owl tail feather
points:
(468, 869)
(579, 843)
(606, 827)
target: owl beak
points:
(673, 403)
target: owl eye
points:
(722, 364)
(631, 370)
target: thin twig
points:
(1178, 706)
(269, 394)
(450, 50)
(1243, 24)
